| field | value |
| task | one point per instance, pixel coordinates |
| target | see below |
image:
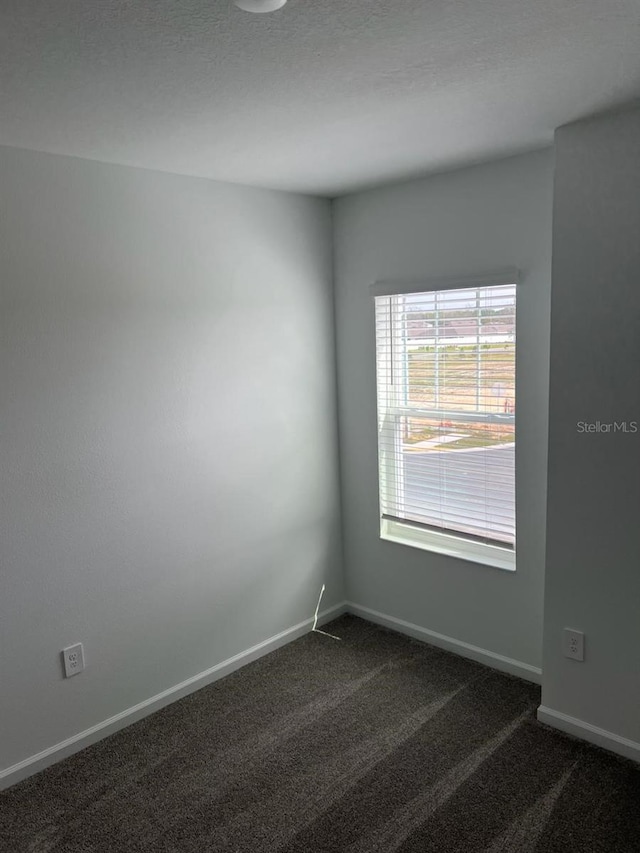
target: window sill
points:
(451, 546)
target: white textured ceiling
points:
(324, 96)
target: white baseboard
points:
(492, 659)
(68, 747)
(592, 734)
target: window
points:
(446, 417)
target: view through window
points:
(446, 411)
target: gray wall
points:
(169, 467)
(468, 222)
(593, 544)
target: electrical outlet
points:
(73, 657)
(573, 644)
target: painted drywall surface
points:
(467, 222)
(593, 528)
(169, 439)
(323, 96)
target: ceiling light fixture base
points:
(259, 6)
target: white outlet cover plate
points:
(573, 644)
(73, 657)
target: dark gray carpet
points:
(374, 743)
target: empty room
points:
(320, 426)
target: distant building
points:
(453, 331)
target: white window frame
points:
(445, 542)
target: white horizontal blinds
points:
(446, 410)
